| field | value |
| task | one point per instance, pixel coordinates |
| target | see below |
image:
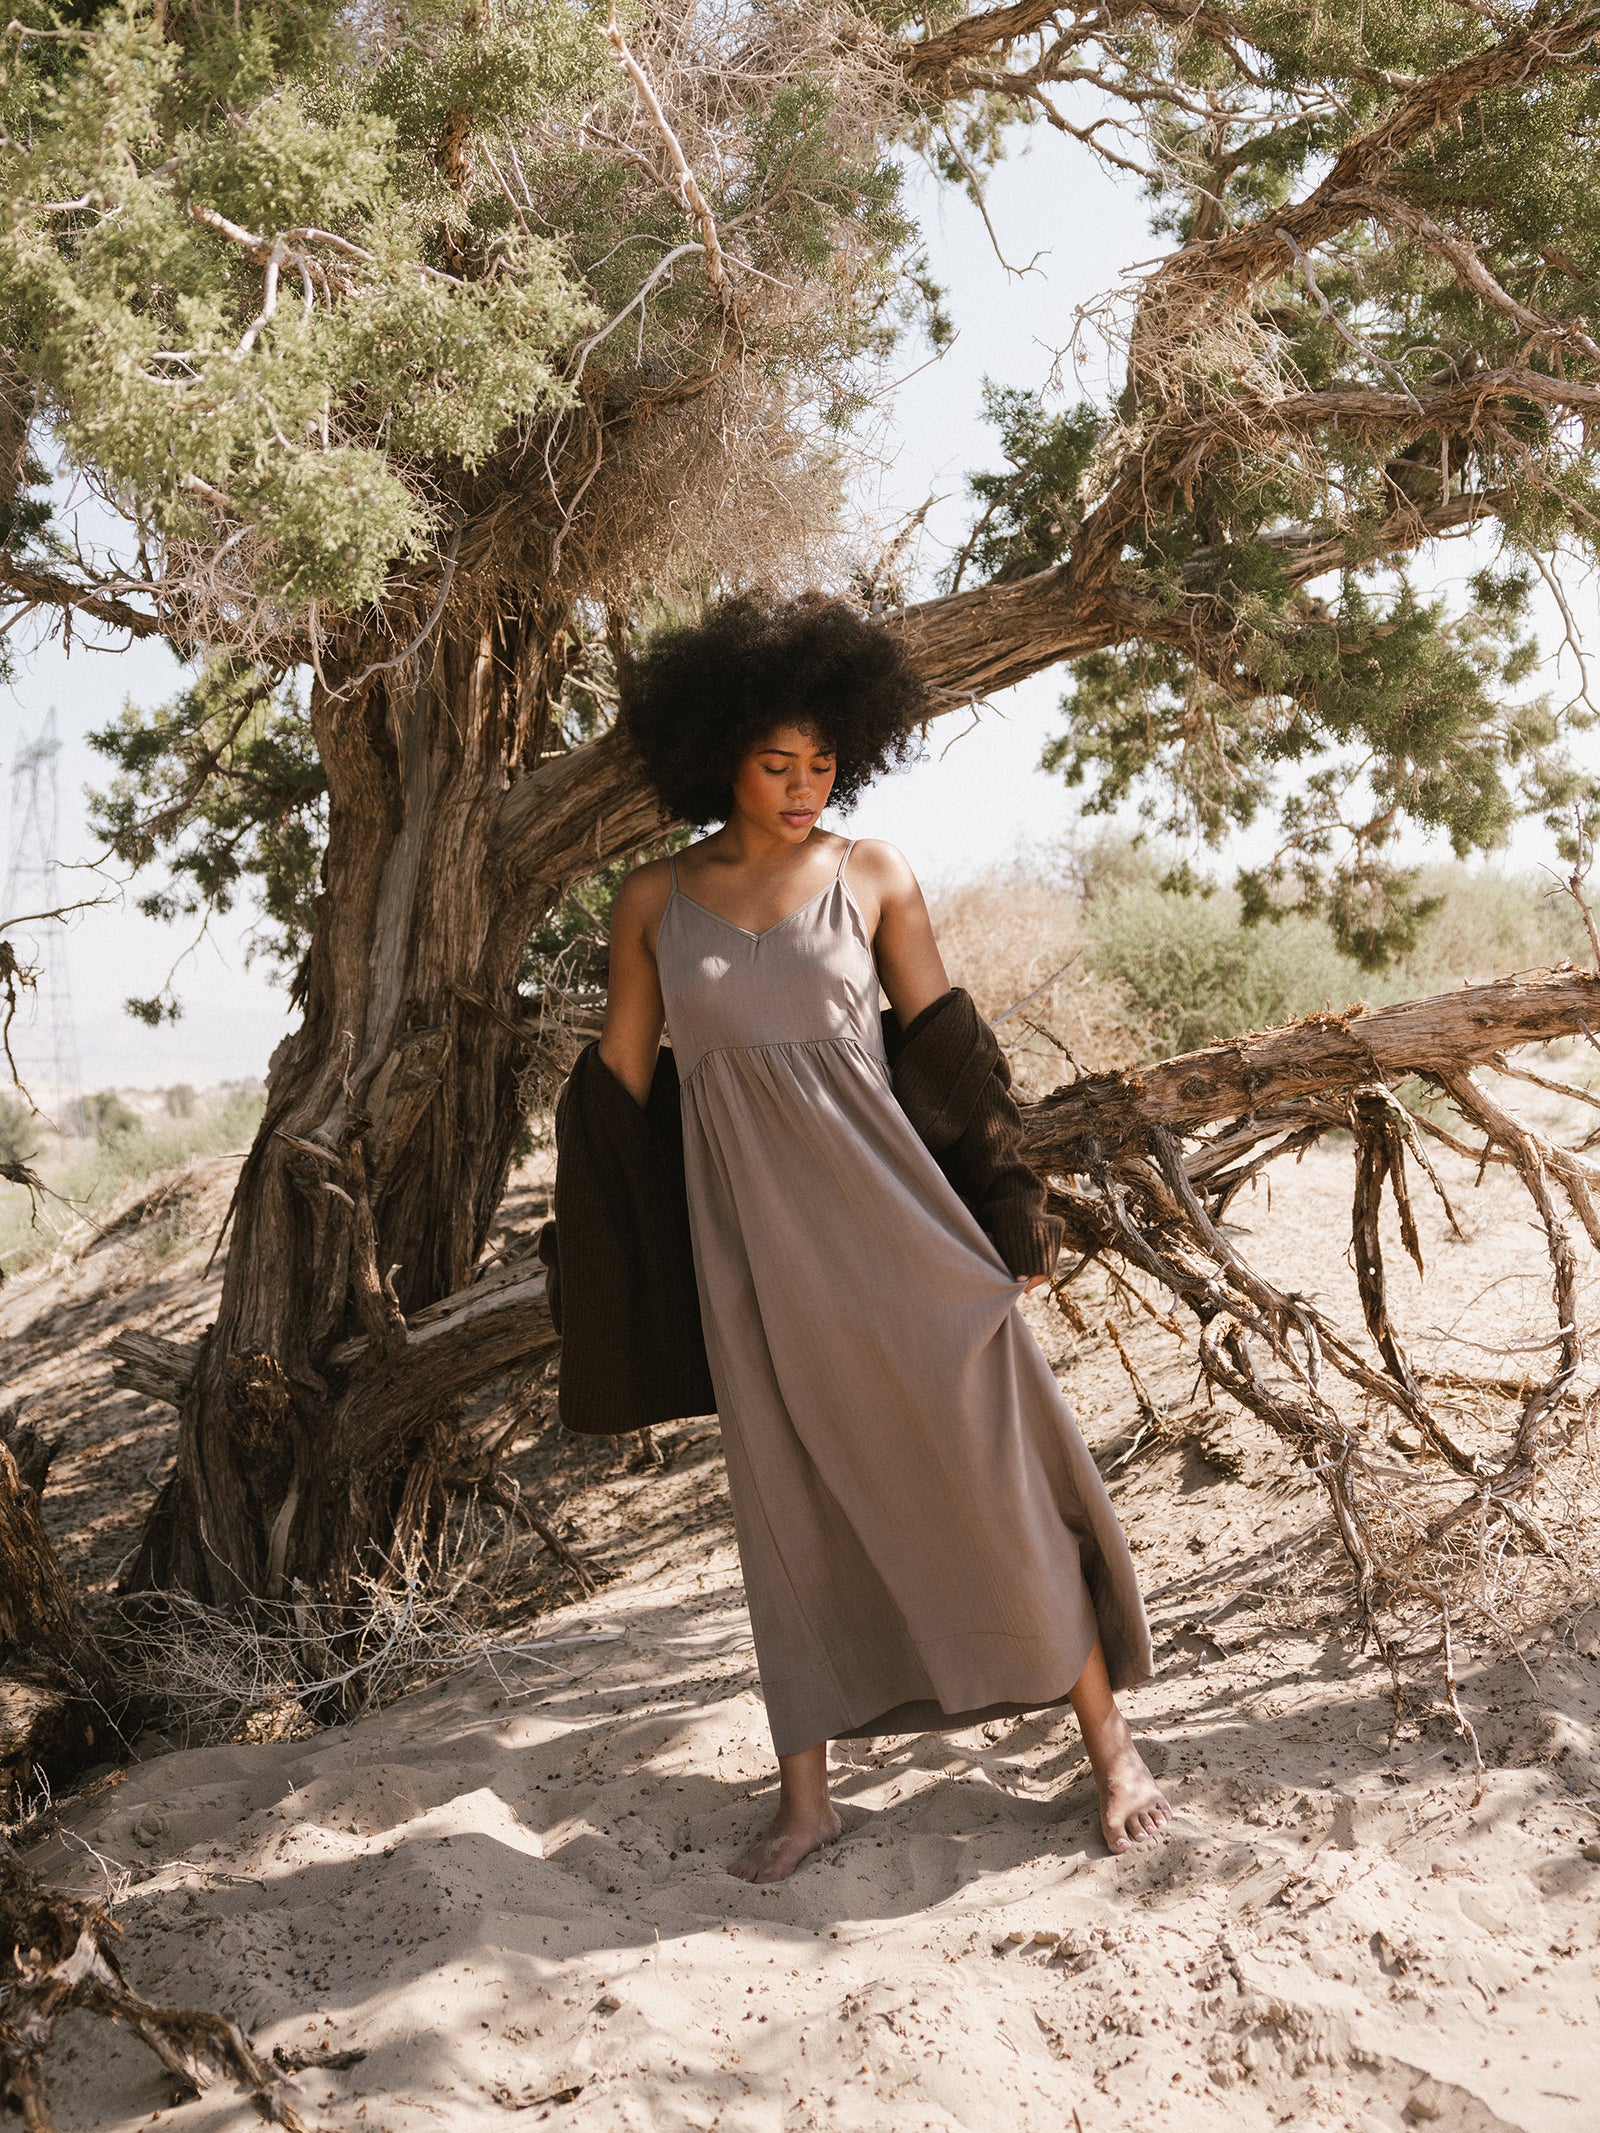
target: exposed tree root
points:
(58, 1956)
(505, 1496)
(1112, 1148)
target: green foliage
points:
(109, 1121)
(328, 302)
(223, 1122)
(19, 1131)
(1030, 515)
(567, 958)
(1349, 718)
(1340, 698)
(1192, 970)
(224, 784)
(1190, 966)
(282, 280)
(138, 311)
(1484, 923)
(318, 296)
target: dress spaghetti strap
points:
(843, 856)
(661, 923)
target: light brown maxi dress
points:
(925, 1539)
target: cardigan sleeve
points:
(954, 1084)
(619, 1258)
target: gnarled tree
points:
(428, 356)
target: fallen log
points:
(1142, 1166)
(1320, 1055)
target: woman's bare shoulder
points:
(642, 897)
(882, 866)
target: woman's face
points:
(783, 784)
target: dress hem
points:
(925, 1714)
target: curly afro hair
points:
(698, 699)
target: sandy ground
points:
(507, 1892)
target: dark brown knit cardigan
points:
(621, 1266)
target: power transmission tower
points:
(44, 1042)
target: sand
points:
(508, 1891)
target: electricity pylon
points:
(44, 1037)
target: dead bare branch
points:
(688, 185)
(58, 1956)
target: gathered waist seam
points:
(785, 1044)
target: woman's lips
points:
(797, 816)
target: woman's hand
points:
(1027, 1283)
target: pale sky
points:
(968, 807)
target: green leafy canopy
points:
(1373, 336)
(325, 303)
(328, 302)
(224, 784)
(234, 278)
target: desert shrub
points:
(1189, 970)
(1175, 970)
(1488, 922)
(19, 1131)
(1100, 862)
(1016, 930)
(224, 1125)
(87, 1182)
(109, 1120)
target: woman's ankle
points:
(803, 1785)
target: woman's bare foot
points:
(787, 1839)
(806, 1819)
(1132, 1808)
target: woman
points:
(924, 1537)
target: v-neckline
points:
(695, 905)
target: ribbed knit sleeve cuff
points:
(1027, 1239)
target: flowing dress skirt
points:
(924, 1537)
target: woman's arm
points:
(635, 1016)
(909, 963)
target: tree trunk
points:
(315, 1420)
(51, 1722)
